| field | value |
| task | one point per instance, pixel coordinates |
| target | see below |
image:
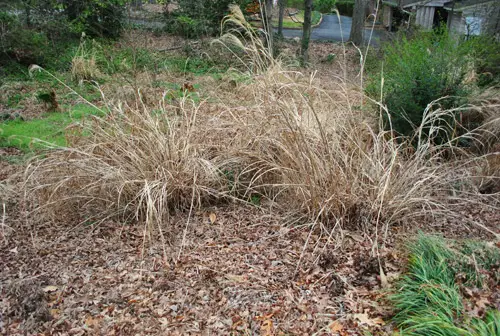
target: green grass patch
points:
(196, 66)
(428, 299)
(40, 133)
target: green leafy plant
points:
(189, 27)
(419, 71)
(18, 43)
(485, 54)
(324, 6)
(101, 18)
(199, 17)
(428, 300)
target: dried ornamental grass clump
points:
(84, 64)
(131, 164)
(332, 163)
(308, 149)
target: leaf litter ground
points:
(237, 273)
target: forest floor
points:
(237, 270)
(232, 269)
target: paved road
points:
(328, 30)
(333, 29)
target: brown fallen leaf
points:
(378, 320)
(188, 87)
(91, 322)
(383, 278)
(212, 218)
(266, 329)
(48, 289)
(55, 313)
(264, 317)
(236, 278)
(365, 319)
(336, 326)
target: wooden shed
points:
(468, 17)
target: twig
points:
(187, 223)
(168, 49)
(3, 223)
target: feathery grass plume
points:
(285, 138)
(314, 151)
(484, 120)
(244, 42)
(331, 162)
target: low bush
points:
(43, 32)
(418, 71)
(485, 54)
(20, 44)
(98, 18)
(186, 26)
(324, 6)
(199, 18)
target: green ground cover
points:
(429, 299)
(47, 131)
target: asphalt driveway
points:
(333, 28)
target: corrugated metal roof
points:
(430, 3)
(458, 4)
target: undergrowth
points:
(410, 72)
(48, 131)
(429, 301)
(282, 139)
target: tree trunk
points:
(267, 21)
(282, 4)
(358, 22)
(137, 4)
(27, 11)
(306, 32)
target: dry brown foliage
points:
(319, 152)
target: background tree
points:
(267, 21)
(324, 6)
(27, 4)
(358, 22)
(306, 33)
(195, 18)
(137, 4)
(281, 13)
